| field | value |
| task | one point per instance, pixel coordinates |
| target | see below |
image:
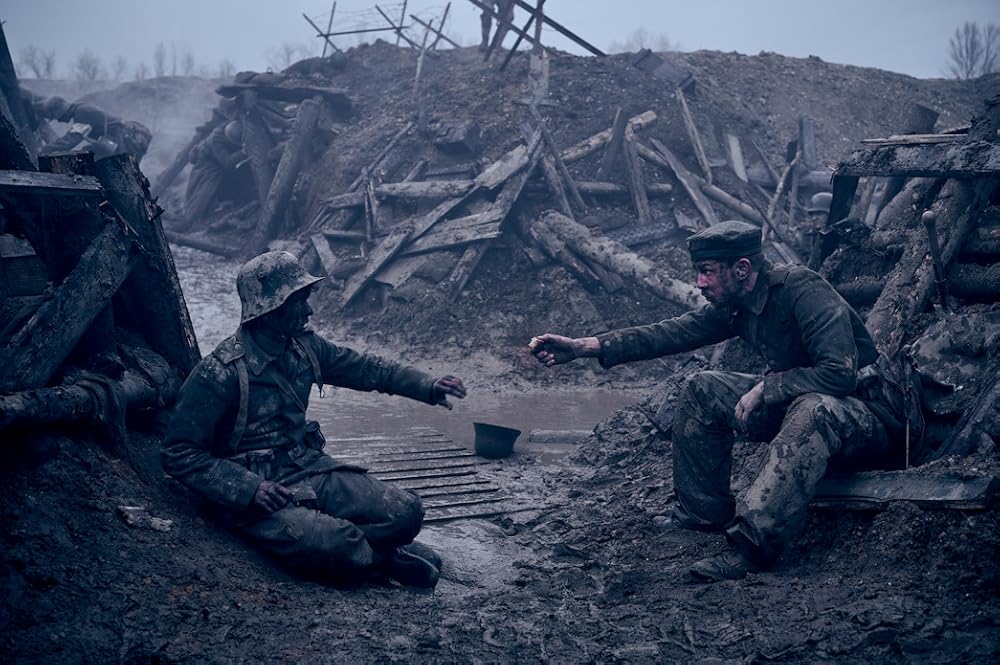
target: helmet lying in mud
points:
(820, 203)
(265, 282)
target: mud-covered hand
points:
(552, 349)
(445, 386)
(272, 496)
(748, 403)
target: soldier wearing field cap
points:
(828, 399)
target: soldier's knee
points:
(406, 513)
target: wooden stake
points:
(692, 129)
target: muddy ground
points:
(590, 576)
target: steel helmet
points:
(234, 132)
(265, 282)
(820, 202)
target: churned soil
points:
(106, 560)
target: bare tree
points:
(283, 56)
(141, 72)
(226, 68)
(49, 63)
(187, 63)
(974, 50)
(31, 57)
(160, 60)
(87, 66)
(173, 59)
(641, 38)
(118, 68)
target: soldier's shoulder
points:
(228, 350)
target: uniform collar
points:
(256, 356)
(758, 297)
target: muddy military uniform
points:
(824, 404)
(241, 420)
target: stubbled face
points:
(293, 316)
(718, 282)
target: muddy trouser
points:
(810, 434)
(356, 521)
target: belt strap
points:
(240, 425)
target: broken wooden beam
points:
(258, 144)
(34, 353)
(635, 179)
(665, 158)
(692, 130)
(336, 98)
(615, 145)
(619, 259)
(162, 320)
(556, 249)
(572, 192)
(594, 143)
(38, 183)
(966, 159)
(911, 281)
(593, 188)
(203, 244)
(564, 31)
(875, 490)
(280, 192)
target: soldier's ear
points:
(742, 268)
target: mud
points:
(590, 576)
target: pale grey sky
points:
(908, 36)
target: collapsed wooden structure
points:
(94, 321)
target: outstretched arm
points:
(556, 349)
(445, 386)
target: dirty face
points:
(718, 281)
(293, 316)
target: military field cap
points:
(725, 240)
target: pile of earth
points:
(758, 98)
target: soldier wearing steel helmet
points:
(239, 437)
(829, 399)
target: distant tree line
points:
(88, 66)
(974, 50)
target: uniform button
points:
(607, 342)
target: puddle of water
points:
(349, 413)
(209, 285)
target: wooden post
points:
(329, 27)
(402, 17)
(280, 191)
(736, 160)
(164, 319)
(910, 284)
(258, 144)
(440, 30)
(614, 147)
(571, 190)
(34, 353)
(692, 129)
(636, 182)
(664, 157)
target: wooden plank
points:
(501, 170)
(152, 293)
(272, 216)
(594, 143)
(459, 493)
(670, 161)
(458, 232)
(402, 269)
(965, 159)
(37, 183)
(613, 189)
(692, 130)
(915, 139)
(567, 178)
(424, 189)
(418, 485)
(736, 160)
(383, 466)
(444, 503)
(386, 250)
(391, 477)
(33, 354)
(874, 490)
(337, 98)
(807, 143)
(636, 182)
(613, 149)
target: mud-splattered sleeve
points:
(687, 332)
(825, 321)
(342, 366)
(210, 392)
